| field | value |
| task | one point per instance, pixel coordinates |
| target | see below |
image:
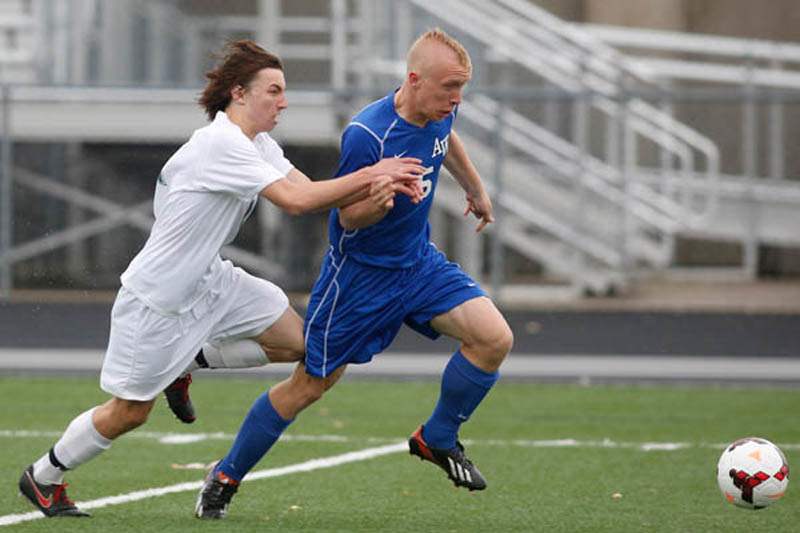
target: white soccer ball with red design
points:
(752, 473)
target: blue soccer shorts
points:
(356, 310)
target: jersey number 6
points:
(427, 185)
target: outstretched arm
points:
(297, 194)
(371, 209)
(460, 166)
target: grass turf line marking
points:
(307, 466)
(187, 438)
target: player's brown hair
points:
(240, 63)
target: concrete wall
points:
(775, 20)
(657, 14)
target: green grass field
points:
(533, 486)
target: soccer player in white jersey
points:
(178, 293)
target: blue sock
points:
(463, 388)
(261, 428)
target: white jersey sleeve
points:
(234, 165)
(273, 153)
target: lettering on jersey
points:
(427, 185)
(440, 146)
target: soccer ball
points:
(752, 473)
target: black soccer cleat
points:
(215, 495)
(51, 500)
(178, 399)
(459, 469)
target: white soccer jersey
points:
(204, 193)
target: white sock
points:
(191, 368)
(244, 353)
(79, 443)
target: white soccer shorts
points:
(148, 350)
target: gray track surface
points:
(583, 346)
(529, 367)
(729, 334)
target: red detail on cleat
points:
(226, 479)
(422, 446)
(44, 502)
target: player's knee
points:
(505, 341)
(316, 388)
(297, 353)
(494, 344)
(312, 390)
(312, 395)
(134, 414)
(285, 355)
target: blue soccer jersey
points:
(377, 278)
(400, 238)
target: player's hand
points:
(381, 193)
(480, 206)
(383, 189)
(401, 169)
(412, 189)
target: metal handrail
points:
(605, 97)
(540, 143)
(707, 45)
(569, 75)
(649, 119)
(112, 215)
(536, 141)
(717, 72)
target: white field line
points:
(308, 466)
(187, 438)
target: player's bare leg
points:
(298, 391)
(485, 339)
(117, 416)
(269, 416)
(485, 336)
(87, 436)
(281, 342)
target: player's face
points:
(266, 98)
(441, 90)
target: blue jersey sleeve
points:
(360, 148)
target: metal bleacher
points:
(593, 174)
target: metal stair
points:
(591, 181)
(583, 216)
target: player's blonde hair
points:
(438, 35)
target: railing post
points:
(667, 160)
(665, 155)
(338, 60)
(338, 45)
(613, 134)
(750, 164)
(268, 35)
(777, 139)
(402, 26)
(368, 46)
(498, 263)
(580, 134)
(6, 191)
(627, 163)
